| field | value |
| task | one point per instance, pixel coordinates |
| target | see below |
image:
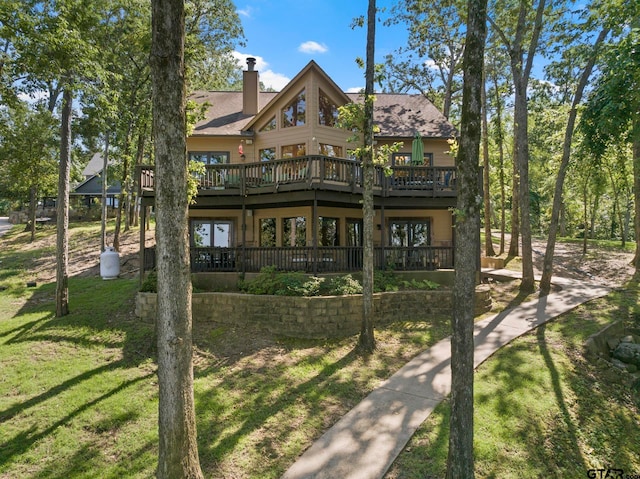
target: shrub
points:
(341, 286)
(271, 281)
(150, 284)
(278, 283)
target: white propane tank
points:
(109, 263)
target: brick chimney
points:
(250, 88)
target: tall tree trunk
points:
(636, 187)
(547, 266)
(460, 457)
(521, 148)
(503, 190)
(62, 207)
(595, 207)
(123, 188)
(521, 71)
(366, 341)
(103, 216)
(488, 241)
(585, 215)
(33, 205)
(178, 448)
(514, 244)
(135, 202)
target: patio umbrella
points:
(417, 150)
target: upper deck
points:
(317, 172)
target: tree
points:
(62, 207)
(613, 109)
(521, 65)
(460, 457)
(178, 449)
(212, 29)
(366, 341)
(486, 184)
(547, 269)
(55, 49)
(493, 70)
(431, 62)
(28, 151)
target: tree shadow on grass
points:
(270, 408)
(106, 341)
(567, 431)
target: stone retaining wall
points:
(314, 317)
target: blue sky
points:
(284, 35)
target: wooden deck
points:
(316, 172)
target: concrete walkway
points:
(366, 441)
(4, 225)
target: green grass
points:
(541, 410)
(78, 395)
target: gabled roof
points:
(95, 165)
(92, 186)
(311, 66)
(397, 115)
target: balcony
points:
(314, 260)
(316, 172)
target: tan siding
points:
(216, 144)
(438, 148)
(442, 232)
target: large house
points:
(281, 188)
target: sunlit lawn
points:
(541, 410)
(78, 395)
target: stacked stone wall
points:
(314, 317)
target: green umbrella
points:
(417, 150)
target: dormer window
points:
(328, 111)
(294, 114)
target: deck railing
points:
(316, 171)
(321, 259)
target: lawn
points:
(78, 395)
(541, 409)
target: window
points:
(404, 159)
(401, 159)
(354, 232)
(268, 232)
(290, 151)
(210, 157)
(294, 231)
(267, 154)
(331, 150)
(410, 233)
(328, 111)
(294, 114)
(208, 233)
(328, 232)
(271, 125)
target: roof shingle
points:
(397, 115)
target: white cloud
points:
(313, 47)
(355, 89)
(274, 80)
(268, 77)
(245, 12)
